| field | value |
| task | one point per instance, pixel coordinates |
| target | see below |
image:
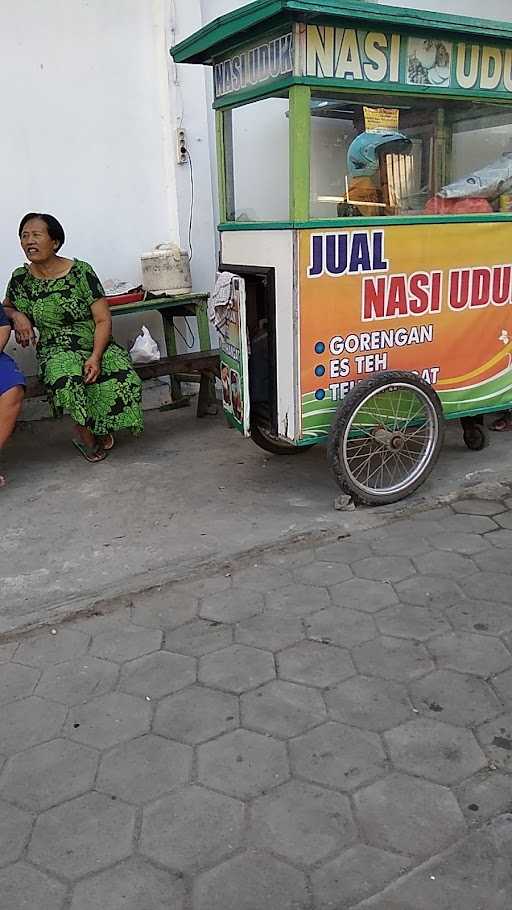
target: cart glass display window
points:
(374, 156)
(257, 160)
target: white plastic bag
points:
(145, 348)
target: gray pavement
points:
(188, 492)
(326, 728)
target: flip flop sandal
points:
(3, 481)
(108, 442)
(502, 425)
(92, 454)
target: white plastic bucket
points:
(166, 269)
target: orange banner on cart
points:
(433, 299)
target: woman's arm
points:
(22, 325)
(103, 330)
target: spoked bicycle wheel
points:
(386, 437)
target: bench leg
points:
(170, 343)
(207, 399)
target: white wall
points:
(84, 112)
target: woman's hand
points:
(23, 329)
(92, 369)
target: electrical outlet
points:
(181, 147)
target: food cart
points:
(365, 184)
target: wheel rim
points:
(390, 439)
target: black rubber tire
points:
(264, 439)
(343, 416)
(475, 437)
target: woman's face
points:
(37, 244)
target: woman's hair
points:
(55, 229)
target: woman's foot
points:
(502, 424)
(107, 442)
(93, 453)
(2, 481)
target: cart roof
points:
(206, 44)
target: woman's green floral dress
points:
(60, 309)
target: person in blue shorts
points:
(12, 387)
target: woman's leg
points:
(10, 407)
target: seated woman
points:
(85, 373)
(12, 387)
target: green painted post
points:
(221, 164)
(300, 151)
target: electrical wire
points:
(191, 253)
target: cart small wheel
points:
(386, 437)
(265, 439)
(475, 437)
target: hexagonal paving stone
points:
(496, 738)
(108, 720)
(261, 578)
(384, 568)
(237, 668)
(16, 681)
(75, 681)
(455, 698)
(298, 599)
(400, 545)
(480, 616)
(501, 539)
(315, 664)
(270, 630)
(372, 704)
(8, 650)
(479, 586)
(49, 774)
(448, 565)
(158, 674)
(478, 507)
(470, 653)
(23, 886)
(405, 621)
(425, 590)
(29, 721)
(131, 885)
(472, 524)
(503, 683)
(251, 882)
(435, 750)
(243, 763)
(163, 608)
(484, 796)
(323, 573)
(192, 827)
(45, 648)
(409, 815)
(344, 550)
(338, 756)
(196, 714)
(392, 658)
(365, 595)
(491, 560)
(144, 769)
(15, 828)
(286, 556)
(339, 626)
(198, 638)
(126, 643)
(505, 520)
(282, 709)
(83, 835)
(358, 873)
(458, 542)
(203, 587)
(302, 823)
(234, 605)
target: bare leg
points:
(10, 407)
(86, 436)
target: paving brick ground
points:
(327, 729)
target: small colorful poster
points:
(234, 359)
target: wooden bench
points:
(202, 365)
